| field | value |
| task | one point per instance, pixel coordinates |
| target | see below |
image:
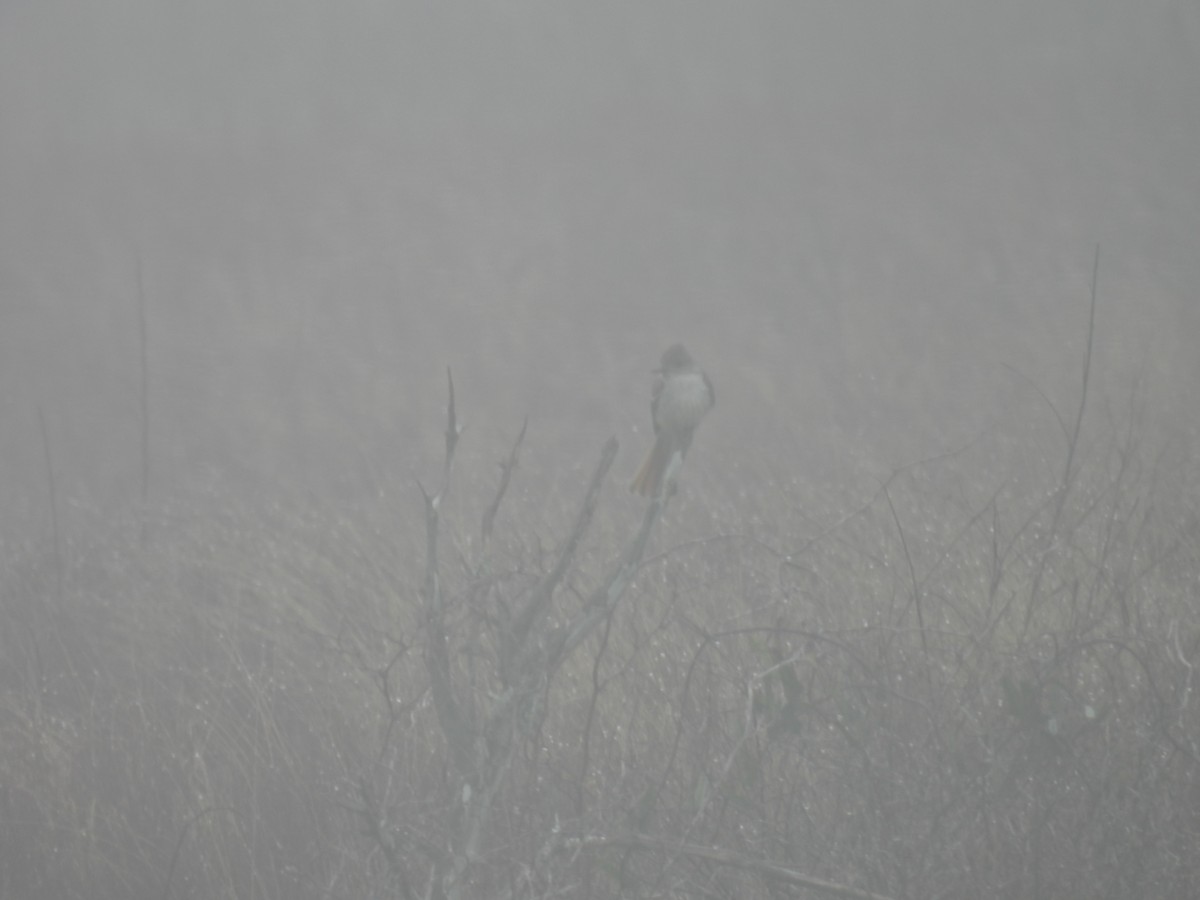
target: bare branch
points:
(373, 823)
(769, 871)
(1087, 371)
(58, 560)
(506, 470)
(1072, 447)
(912, 572)
(145, 397)
(603, 600)
(453, 431)
(539, 600)
(1050, 403)
(454, 724)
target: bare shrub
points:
(975, 681)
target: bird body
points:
(683, 395)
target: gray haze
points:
(864, 219)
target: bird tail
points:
(648, 480)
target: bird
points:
(682, 396)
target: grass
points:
(974, 682)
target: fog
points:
(859, 216)
(872, 223)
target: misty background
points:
(903, 629)
(873, 223)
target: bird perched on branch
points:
(683, 395)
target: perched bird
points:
(683, 395)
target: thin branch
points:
(183, 833)
(1072, 447)
(539, 600)
(603, 600)
(58, 563)
(506, 470)
(454, 724)
(730, 759)
(912, 573)
(766, 870)
(1050, 403)
(453, 432)
(145, 406)
(588, 722)
(1087, 371)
